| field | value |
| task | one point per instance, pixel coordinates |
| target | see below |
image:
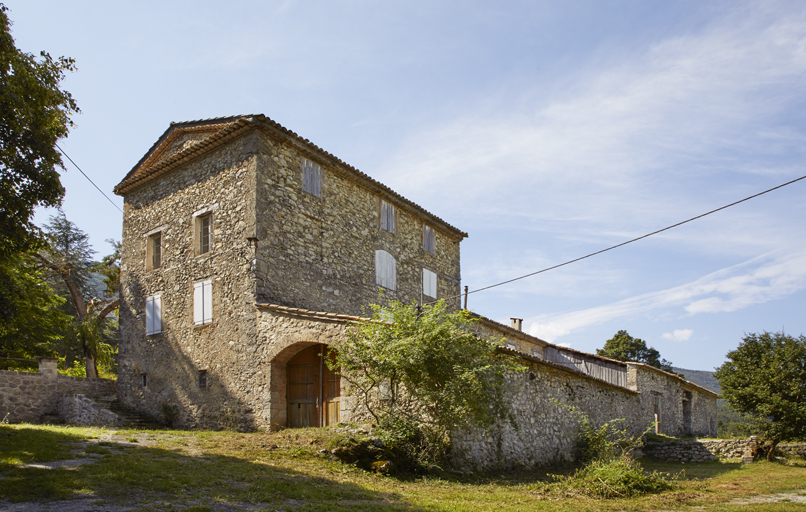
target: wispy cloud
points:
(756, 281)
(678, 335)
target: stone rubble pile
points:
(81, 410)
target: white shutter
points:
(149, 315)
(208, 301)
(198, 303)
(385, 271)
(387, 216)
(157, 310)
(429, 283)
(311, 178)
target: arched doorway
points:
(313, 390)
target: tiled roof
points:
(529, 357)
(149, 168)
(307, 313)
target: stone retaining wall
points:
(713, 449)
(26, 397)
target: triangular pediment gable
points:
(180, 138)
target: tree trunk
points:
(773, 445)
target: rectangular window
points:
(311, 178)
(143, 379)
(387, 213)
(204, 233)
(429, 242)
(385, 270)
(429, 283)
(510, 344)
(153, 315)
(154, 251)
(536, 352)
(203, 302)
(202, 378)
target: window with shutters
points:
(203, 302)
(154, 251)
(203, 236)
(387, 214)
(429, 283)
(153, 315)
(429, 241)
(311, 178)
(385, 270)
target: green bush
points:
(616, 478)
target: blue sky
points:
(546, 130)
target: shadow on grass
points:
(138, 476)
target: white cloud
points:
(771, 277)
(678, 335)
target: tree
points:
(34, 115)
(765, 379)
(32, 321)
(68, 258)
(423, 368)
(624, 347)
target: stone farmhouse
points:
(246, 248)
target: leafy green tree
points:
(34, 114)
(765, 379)
(424, 369)
(32, 321)
(68, 258)
(624, 347)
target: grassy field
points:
(109, 469)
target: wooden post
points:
(465, 308)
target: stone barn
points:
(247, 249)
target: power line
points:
(628, 241)
(34, 121)
(88, 178)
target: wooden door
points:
(314, 391)
(304, 388)
(332, 394)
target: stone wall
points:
(546, 431)
(26, 397)
(318, 253)
(159, 374)
(703, 450)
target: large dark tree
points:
(34, 115)
(624, 347)
(765, 379)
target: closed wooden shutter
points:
(153, 314)
(429, 283)
(429, 242)
(311, 178)
(203, 302)
(387, 216)
(385, 270)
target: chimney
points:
(517, 323)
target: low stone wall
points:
(26, 397)
(713, 449)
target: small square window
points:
(204, 233)
(202, 378)
(536, 352)
(388, 221)
(429, 242)
(154, 251)
(311, 178)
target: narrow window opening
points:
(143, 380)
(202, 378)
(154, 251)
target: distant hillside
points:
(701, 378)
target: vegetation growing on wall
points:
(421, 373)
